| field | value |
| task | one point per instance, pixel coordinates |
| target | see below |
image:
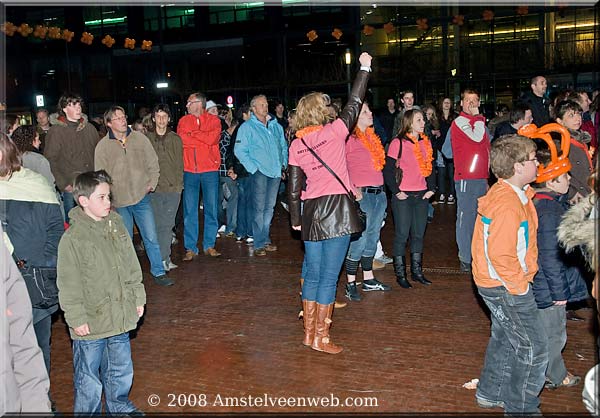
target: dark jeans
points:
(264, 197)
(445, 178)
(228, 203)
(68, 203)
(467, 193)
(517, 355)
(244, 206)
(410, 220)
(43, 329)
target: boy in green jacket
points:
(102, 295)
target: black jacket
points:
(328, 216)
(539, 108)
(558, 277)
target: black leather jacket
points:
(328, 216)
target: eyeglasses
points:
(192, 101)
(534, 160)
(119, 118)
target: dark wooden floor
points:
(228, 328)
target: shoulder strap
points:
(326, 166)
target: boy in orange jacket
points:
(504, 249)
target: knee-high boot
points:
(310, 316)
(416, 268)
(322, 341)
(400, 271)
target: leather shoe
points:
(378, 265)
(260, 252)
(339, 305)
(270, 247)
(212, 252)
(189, 255)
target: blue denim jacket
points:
(260, 147)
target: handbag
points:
(41, 284)
(398, 171)
(361, 214)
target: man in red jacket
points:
(471, 148)
(200, 132)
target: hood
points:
(581, 136)
(27, 186)
(59, 120)
(578, 229)
(502, 192)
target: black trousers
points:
(410, 221)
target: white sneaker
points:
(442, 198)
(249, 240)
(221, 230)
(172, 265)
(451, 200)
(165, 266)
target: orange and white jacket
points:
(504, 245)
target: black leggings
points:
(410, 220)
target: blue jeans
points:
(103, 364)
(68, 203)
(244, 206)
(517, 355)
(164, 206)
(192, 182)
(323, 261)
(143, 216)
(374, 206)
(229, 213)
(264, 197)
(43, 330)
(467, 193)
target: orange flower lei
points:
(372, 143)
(308, 130)
(424, 161)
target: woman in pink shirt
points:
(328, 216)
(366, 157)
(413, 154)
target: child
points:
(102, 295)
(504, 252)
(551, 283)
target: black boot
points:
(416, 268)
(400, 270)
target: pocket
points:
(100, 317)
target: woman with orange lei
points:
(408, 174)
(366, 157)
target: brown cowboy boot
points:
(310, 314)
(321, 341)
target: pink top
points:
(360, 165)
(412, 180)
(329, 144)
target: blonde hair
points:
(311, 110)
(508, 150)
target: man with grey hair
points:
(262, 149)
(129, 158)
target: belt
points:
(372, 189)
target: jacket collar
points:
(111, 134)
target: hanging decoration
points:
(25, 30)
(337, 33)
(53, 32)
(9, 28)
(312, 35)
(87, 38)
(488, 15)
(129, 43)
(40, 31)
(523, 10)
(458, 20)
(108, 40)
(389, 27)
(368, 30)
(146, 45)
(67, 35)
(422, 23)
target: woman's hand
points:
(401, 196)
(358, 194)
(428, 195)
(297, 227)
(365, 59)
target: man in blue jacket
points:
(261, 148)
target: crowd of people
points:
(73, 189)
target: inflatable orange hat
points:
(558, 164)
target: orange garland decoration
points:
(308, 130)
(425, 162)
(372, 143)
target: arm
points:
(152, 167)
(204, 130)
(54, 155)
(296, 182)
(70, 288)
(178, 157)
(284, 148)
(100, 160)
(447, 147)
(27, 359)
(54, 231)
(349, 114)
(476, 133)
(134, 279)
(242, 148)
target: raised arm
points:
(350, 112)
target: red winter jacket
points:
(200, 136)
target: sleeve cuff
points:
(365, 68)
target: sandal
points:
(570, 380)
